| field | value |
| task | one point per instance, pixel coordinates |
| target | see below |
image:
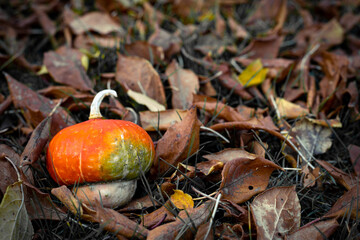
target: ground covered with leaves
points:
(253, 107)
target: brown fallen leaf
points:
(208, 167)
(99, 22)
(186, 223)
(238, 31)
(276, 212)
(169, 42)
(164, 214)
(84, 41)
(65, 67)
(290, 110)
(37, 142)
(243, 178)
(217, 108)
(184, 83)
(347, 204)
(312, 139)
(36, 107)
(115, 222)
(345, 179)
(143, 49)
(229, 154)
(265, 47)
(228, 231)
(58, 91)
(316, 231)
(354, 152)
(138, 74)
(180, 141)
(68, 199)
(202, 231)
(161, 120)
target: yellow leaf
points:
(290, 110)
(43, 70)
(150, 103)
(182, 200)
(254, 74)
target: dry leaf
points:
(313, 139)
(229, 154)
(264, 48)
(182, 200)
(217, 108)
(346, 180)
(290, 110)
(36, 107)
(346, 204)
(276, 212)
(184, 83)
(159, 216)
(65, 67)
(316, 231)
(162, 120)
(208, 167)
(243, 178)
(238, 31)
(99, 22)
(169, 42)
(254, 74)
(139, 75)
(58, 91)
(180, 141)
(150, 103)
(68, 199)
(153, 54)
(115, 222)
(192, 219)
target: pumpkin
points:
(105, 155)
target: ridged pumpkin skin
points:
(99, 150)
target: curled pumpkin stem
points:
(95, 105)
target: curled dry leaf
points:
(208, 167)
(36, 107)
(345, 179)
(180, 141)
(159, 216)
(37, 142)
(316, 231)
(182, 200)
(217, 108)
(138, 74)
(290, 110)
(68, 199)
(184, 83)
(276, 212)
(243, 178)
(99, 22)
(58, 91)
(229, 154)
(150, 103)
(115, 222)
(186, 223)
(347, 204)
(65, 67)
(162, 120)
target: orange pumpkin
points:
(99, 150)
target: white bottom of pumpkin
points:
(111, 195)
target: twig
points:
(213, 216)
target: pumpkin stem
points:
(95, 105)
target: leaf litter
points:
(253, 108)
